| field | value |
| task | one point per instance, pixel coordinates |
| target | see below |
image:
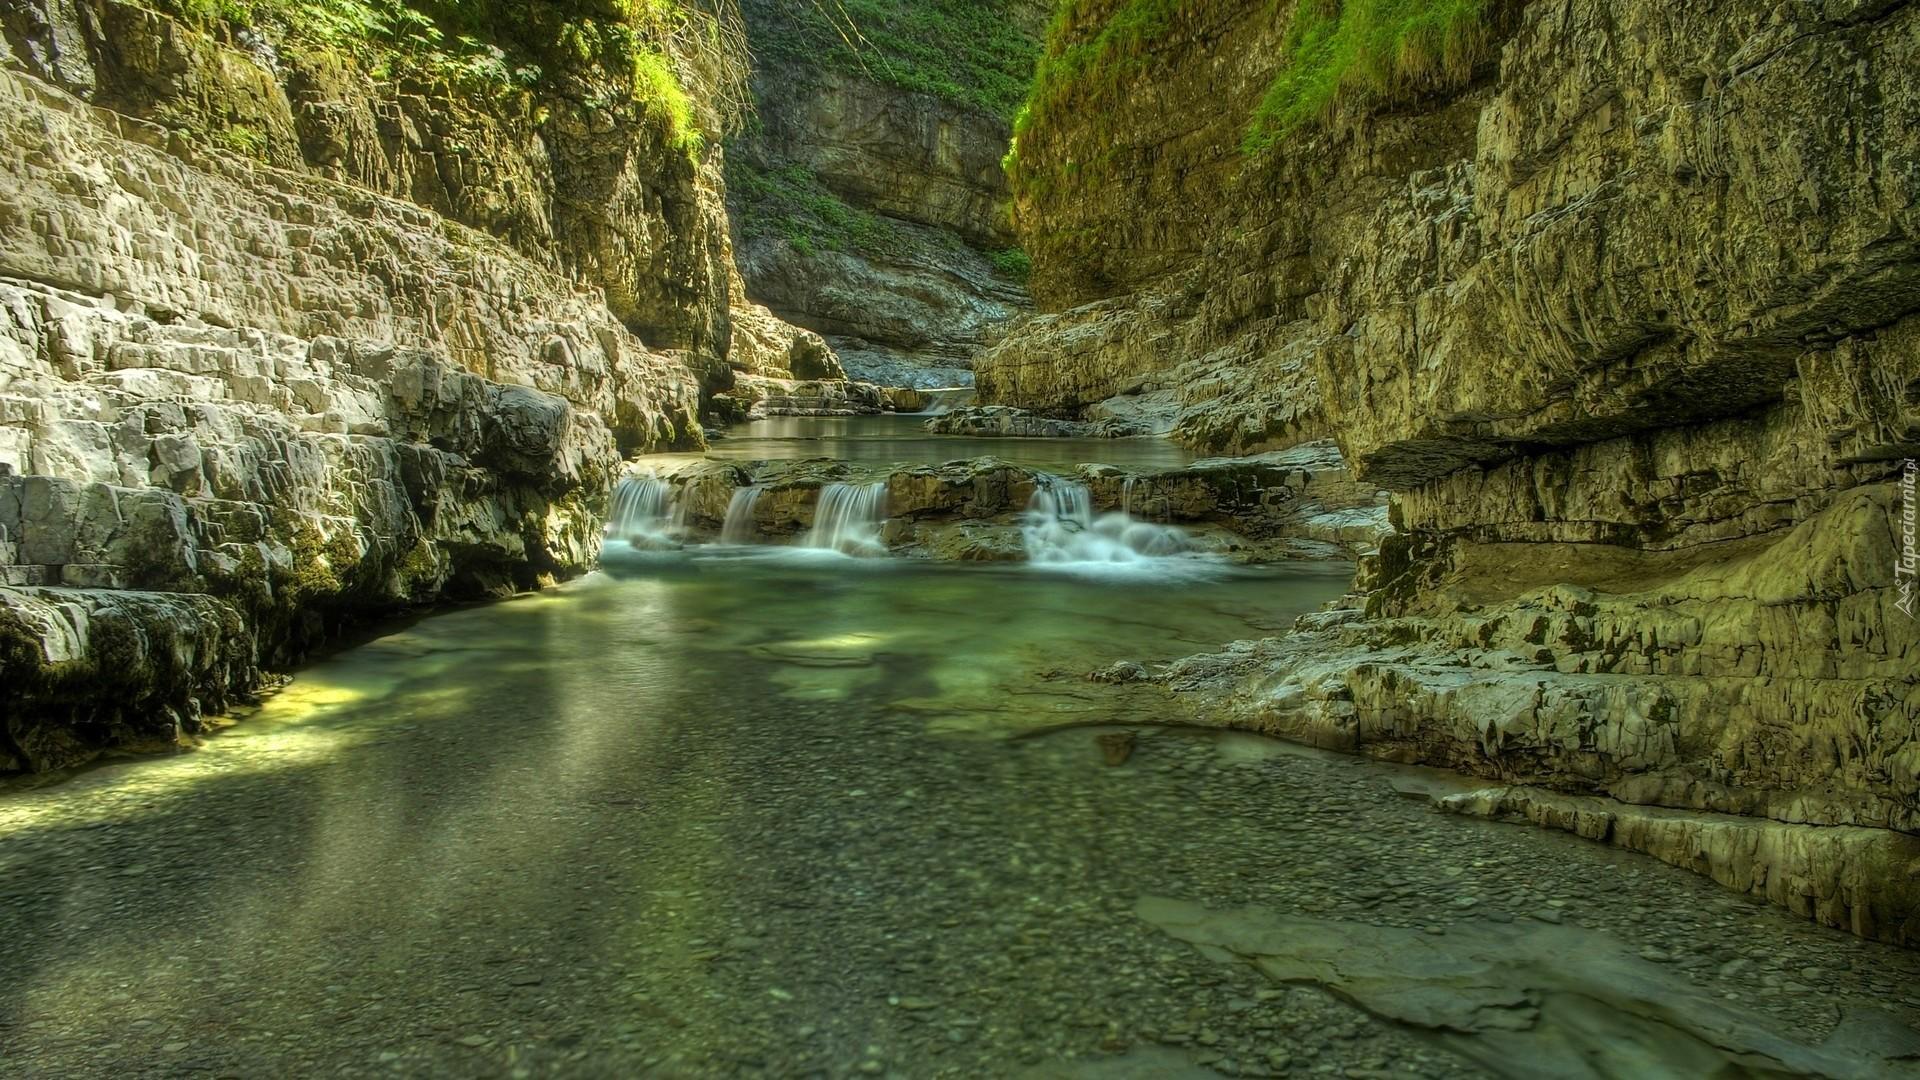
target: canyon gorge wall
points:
(306, 325)
(1621, 300)
(868, 192)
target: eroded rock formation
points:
(1629, 322)
(871, 208)
(287, 343)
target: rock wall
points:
(1629, 322)
(284, 345)
(869, 212)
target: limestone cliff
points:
(868, 191)
(305, 324)
(1622, 303)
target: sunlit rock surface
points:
(1631, 338)
(269, 397)
(907, 185)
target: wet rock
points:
(757, 396)
(1004, 421)
(1269, 508)
(1644, 532)
(296, 402)
(1551, 996)
(906, 399)
(1126, 671)
(1116, 746)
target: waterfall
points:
(945, 399)
(1060, 527)
(1143, 506)
(847, 519)
(738, 528)
(643, 510)
(1064, 501)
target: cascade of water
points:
(1060, 527)
(1063, 500)
(738, 527)
(848, 519)
(1126, 495)
(945, 399)
(643, 509)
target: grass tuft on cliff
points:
(608, 53)
(1332, 51)
(792, 203)
(971, 52)
(1072, 60)
(1376, 50)
(1013, 262)
(1085, 57)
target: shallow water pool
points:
(772, 814)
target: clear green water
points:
(900, 439)
(716, 814)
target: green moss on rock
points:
(1364, 52)
(605, 53)
(791, 202)
(1370, 50)
(973, 52)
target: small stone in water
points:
(1116, 746)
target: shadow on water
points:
(714, 816)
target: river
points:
(767, 812)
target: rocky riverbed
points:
(641, 832)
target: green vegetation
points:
(656, 85)
(1081, 62)
(1014, 263)
(1074, 64)
(1372, 49)
(793, 203)
(610, 52)
(973, 52)
(244, 139)
(1333, 50)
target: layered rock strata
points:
(1004, 421)
(753, 397)
(869, 211)
(390, 348)
(1633, 340)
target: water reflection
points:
(723, 813)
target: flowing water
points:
(848, 519)
(1060, 528)
(738, 528)
(642, 510)
(739, 811)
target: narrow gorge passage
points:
(960, 539)
(722, 813)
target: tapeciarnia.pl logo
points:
(1904, 566)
